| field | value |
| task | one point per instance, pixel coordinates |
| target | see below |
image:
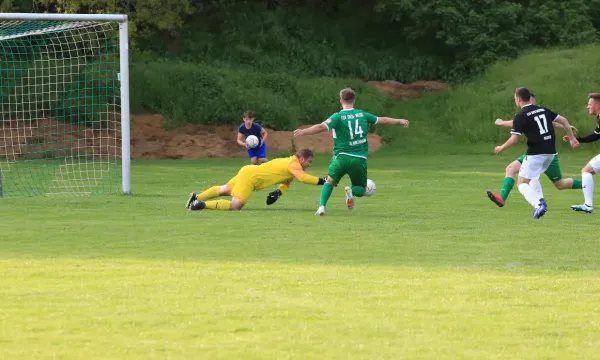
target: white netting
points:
(60, 131)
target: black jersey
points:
(535, 122)
(595, 136)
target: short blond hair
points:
(595, 96)
(348, 95)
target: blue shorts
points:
(259, 152)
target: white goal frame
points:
(123, 75)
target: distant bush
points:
(205, 94)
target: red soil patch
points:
(399, 91)
(149, 139)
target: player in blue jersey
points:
(249, 127)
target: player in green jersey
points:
(349, 128)
(553, 172)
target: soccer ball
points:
(252, 141)
(370, 190)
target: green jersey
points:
(350, 129)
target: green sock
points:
(507, 186)
(325, 193)
(576, 184)
(358, 191)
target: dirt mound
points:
(399, 91)
(149, 140)
(21, 139)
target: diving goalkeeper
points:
(256, 177)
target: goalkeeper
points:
(256, 177)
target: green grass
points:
(560, 79)
(427, 268)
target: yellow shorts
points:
(241, 185)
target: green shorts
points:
(553, 172)
(354, 167)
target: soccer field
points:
(427, 268)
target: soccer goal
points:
(64, 105)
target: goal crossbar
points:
(68, 25)
(64, 17)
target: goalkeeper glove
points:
(273, 196)
(322, 180)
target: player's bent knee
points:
(522, 180)
(358, 190)
(263, 160)
(513, 169)
(588, 169)
(224, 190)
(561, 185)
(236, 204)
(254, 161)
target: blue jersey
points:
(255, 130)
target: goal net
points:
(64, 105)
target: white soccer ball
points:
(370, 189)
(252, 141)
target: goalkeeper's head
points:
(305, 157)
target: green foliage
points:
(200, 93)
(147, 17)
(207, 62)
(205, 94)
(405, 40)
(561, 80)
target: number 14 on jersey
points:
(358, 131)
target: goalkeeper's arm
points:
(283, 188)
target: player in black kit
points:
(535, 122)
(593, 166)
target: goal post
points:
(64, 105)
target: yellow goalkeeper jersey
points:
(277, 171)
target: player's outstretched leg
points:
(326, 191)
(496, 198)
(531, 196)
(582, 208)
(587, 179)
(554, 174)
(197, 205)
(213, 192)
(540, 210)
(507, 184)
(191, 199)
